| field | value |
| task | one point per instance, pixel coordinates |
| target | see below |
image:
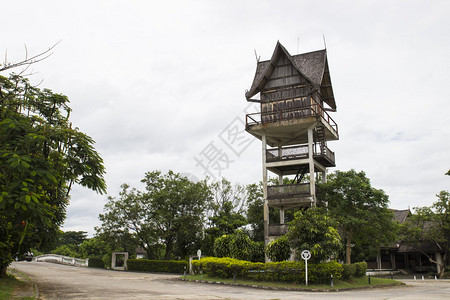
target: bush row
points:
(167, 266)
(273, 271)
(354, 270)
(96, 262)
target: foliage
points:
(255, 213)
(222, 246)
(96, 262)
(67, 250)
(145, 265)
(257, 253)
(361, 269)
(279, 249)
(238, 246)
(170, 211)
(41, 157)
(94, 247)
(348, 271)
(430, 225)
(72, 237)
(273, 271)
(360, 209)
(314, 230)
(225, 212)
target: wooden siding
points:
(285, 89)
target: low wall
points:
(61, 259)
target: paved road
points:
(67, 282)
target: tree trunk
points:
(348, 247)
(169, 246)
(3, 270)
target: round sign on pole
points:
(306, 255)
(199, 253)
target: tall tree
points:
(41, 157)
(176, 208)
(430, 225)
(313, 229)
(358, 207)
(255, 213)
(226, 211)
(125, 224)
(72, 237)
(170, 211)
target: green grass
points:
(361, 282)
(6, 287)
(9, 284)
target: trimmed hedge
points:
(273, 271)
(96, 262)
(166, 266)
(361, 269)
(354, 270)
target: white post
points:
(266, 204)
(312, 178)
(306, 271)
(306, 255)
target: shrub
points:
(257, 252)
(166, 266)
(239, 246)
(349, 271)
(279, 249)
(96, 262)
(274, 271)
(361, 269)
(222, 246)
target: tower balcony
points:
(321, 153)
(277, 230)
(290, 126)
(287, 196)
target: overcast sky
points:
(160, 84)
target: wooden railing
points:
(314, 109)
(277, 230)
(298, 152)
(287, 191)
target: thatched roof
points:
(312, 65)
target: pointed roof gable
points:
(313, 66)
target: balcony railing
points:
(288, 191)
(299, 152)
(277, 230)
(289, 114)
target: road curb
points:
(292, 289)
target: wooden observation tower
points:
(294, 125)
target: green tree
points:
(72, 237)
(314, 230)
(226, 211)
(430, 224)
(279, 249)
(176, 208)
(125, 223)
(171, 211)
(41, 157)
(94, 247)
(359, 208)
(255, 213)
(237, 245)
